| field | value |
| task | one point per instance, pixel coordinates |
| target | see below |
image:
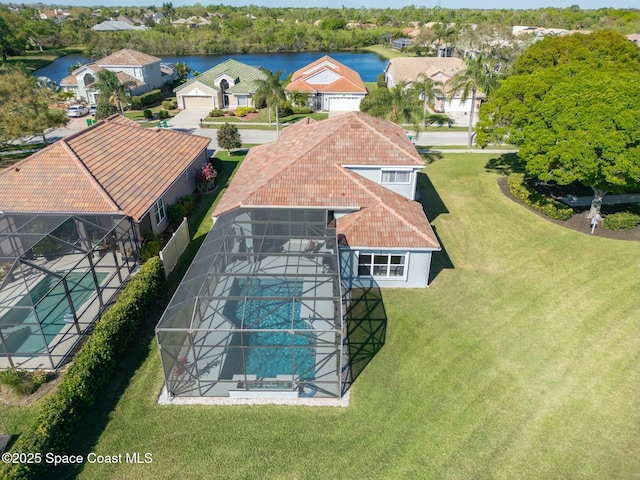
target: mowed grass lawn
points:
(520, 362)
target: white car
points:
(92, 110)
(77, 111)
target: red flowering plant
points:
(206, 177)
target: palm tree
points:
(479, 76)
(111, 90)
(429, 90)
(270, 91)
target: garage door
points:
(192, 102)
(344, 104)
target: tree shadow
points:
(366, 322)
(429, 156)
(505, 164)
(433, 206)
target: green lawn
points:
(519, 362)
(387, 52)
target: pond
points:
(367, 64)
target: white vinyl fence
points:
(170, 254)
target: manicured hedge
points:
(621, 220)
(146, 99)
(244, 111)
(91, 370)
(536, 200)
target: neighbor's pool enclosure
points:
(57, 273)
(259, 312)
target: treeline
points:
(254, 29)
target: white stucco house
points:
(228, 85)
(143, 72)
(331, 86)
(409, 70)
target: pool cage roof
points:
(25, 236)
(256, 247)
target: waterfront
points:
(367, 64)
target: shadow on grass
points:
(90, 428)
(366, 330)
(433, 206)
(430, 156)
(505, 164)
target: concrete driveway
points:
(187, 119)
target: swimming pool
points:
(19, 325)
(277, 352)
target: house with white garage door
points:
(331, 86)
(228, 85)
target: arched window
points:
(224, 86)
(88, 79)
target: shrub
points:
(136, 103)
(147, 113)
(168, 105)
(284, 110)
(381, 80)
(151, 247)
(91, 370)
(244, 111)
(162, 114)
(301, 110)
(231, 113)
(621, 220)
(22, 382)
(228, 137)
(536, 200)
(216, 113)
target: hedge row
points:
(91, 370)
(536, 200)
(620, 220)
(145, 99)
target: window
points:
(137, 72)
(381, 265)
(396, 176)
(242, 101)
(159, 212)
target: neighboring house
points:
(408, 70)
(112, 167)
(228, 85)
(117, 26)
(191, 22)
(143, 72)
(331, 85)
(401, 43)
(363, 170)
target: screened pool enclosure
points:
(57, 273)
(259, 312)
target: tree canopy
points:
(575, 120)
(228, 137)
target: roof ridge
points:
(387, 138)
(381, 203)
(89, 175)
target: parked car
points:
(92, 110)
(77, 110)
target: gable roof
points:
(246, 76)
(115, 166)
(407, 69)
(116, 25)
(348, 80)
(304, 168)
(127, 58)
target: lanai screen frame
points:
(207, 347)
(57, 274)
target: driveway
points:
(187, 119)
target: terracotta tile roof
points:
(407, 69)
(126, 78)
(70, 80)
(304, 168)
(127, 58)
(349, 81)
(113, 166)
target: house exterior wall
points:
(416, 275)
(374, 173)
(185, 184)
(197, 89)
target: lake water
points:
(367, 64)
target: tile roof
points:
(246, 76)
(305, 168)
(113, 166)
(407, 69)
(349, 81)
(127, 58)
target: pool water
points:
(19, 325)
(277, 352)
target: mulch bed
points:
(578, 222)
